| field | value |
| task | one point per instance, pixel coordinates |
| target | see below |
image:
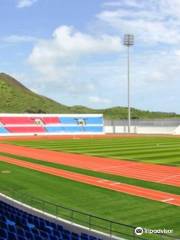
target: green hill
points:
(16, 98)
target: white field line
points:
(114, 183)
(170, 177)
(167, 200)
(103, 181)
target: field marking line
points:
(168, 178)
(167, 200)
(103, 181)
(114, 183)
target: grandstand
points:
(18, 222)
(69, 124)
(50, 124)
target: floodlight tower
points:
(128, 42)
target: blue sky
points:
(71, 50)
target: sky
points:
(72, 50)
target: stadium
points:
(89, 120)
(47, 159)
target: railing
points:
(138, 122)
(92, 222)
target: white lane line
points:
(170, 177)
(114, 183)
(103, 181)
(167, 200)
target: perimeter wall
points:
(157, 126)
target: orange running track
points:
(99, 182)
(143, 171)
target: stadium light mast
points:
(128, 42)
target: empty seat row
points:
(16, 224)
(28, 120)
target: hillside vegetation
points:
(16, 98)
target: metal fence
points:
(112, 228)
(135, 122)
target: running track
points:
(99, 182)
(143, 171)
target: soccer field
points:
(120, 207)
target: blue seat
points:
(75, 236)
(92, 238)
(29, 235)
(3, 233)
(84, 236)
(30, 225)
(21, 238)
(16, 224)
(12, 228)
(12, 236)
(20, 231)
(51, 237)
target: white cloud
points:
(59, 59)
(116, 3)
(170, 7)
(99, 100)
(19, 39)
(25, 3)
(74, 67)
(152, 22)
(66, 69)
(67, 43)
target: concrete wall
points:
(141, 130)
(153, 123)
(155, 126)
(177, 131)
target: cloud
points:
(59, 60)
(99, 100)
(19, 39)
(93, 69)
(25, 3)
(153, 22)
(68, 43)
(75, 67)
(130, 3)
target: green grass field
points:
(122, 179)
(101, 202)
(160, 150)
(104, 203)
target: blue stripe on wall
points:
(3, 130)
(88, 120)
(54, 129)
(93, 129)
(68, 120)
(94, 120)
